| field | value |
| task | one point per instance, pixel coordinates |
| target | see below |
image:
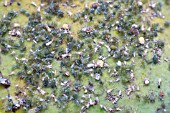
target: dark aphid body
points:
(18, 3)
(155, 59)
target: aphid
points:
(18, 3)
(90, 65)
(83, 107)
(34, 4)
(103, 107)
(66, 27)
(112, 110)
(109, 91)
(69, 13)
(5, 82)
(73, 5)
(140, 3)
(117, 79)
(161, 95)
(141, 40)
(67, 74)
(134, 31)
(166, 60)
(15, 32)
(97, 99)
(108, 48)
(159, 83)
(155, 59)
(38, 8)
(119, 63)
(100, 63)
(120, 93)
(94, 5)
(97, 76)
(15, 107)
(129, 90)
(41, 91)
(137, 88)
(152, 97)
(49, 43)
(5, 3)
(146, 81)
(11, 2)
(132, 75)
